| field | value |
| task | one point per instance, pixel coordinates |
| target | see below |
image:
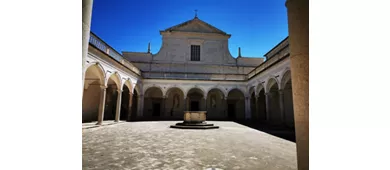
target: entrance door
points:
(156, 109)
(231, 111)
(194, 106)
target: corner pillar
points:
(257, 115)
(140, 105)
(298, 28)
(130, 110)
(268, 105)
(281, 105)
(247, 108)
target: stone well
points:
(194, 120)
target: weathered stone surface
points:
(153, 145)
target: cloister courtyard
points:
(153, 145)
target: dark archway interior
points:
(134, 106)
(236, 105)
(288, 105)
(91, 95)
(110, 105)
(91, 99)
(254, 115)
(195, 100)
(275, 117)
(175, 103)
(261, 106)
(215, 105)
(153, 103)
(125, 104)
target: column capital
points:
(281, 92)
(103, 87)
(257, 96)
(119, 91)
(268, 94)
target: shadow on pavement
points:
(284, 132)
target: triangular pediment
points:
(195, 25)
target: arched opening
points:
(254, 115)
(274, 102)
(93, 79)
(288, 100)
(134, 106)
(175, 103)
(215, 104)
(236, 105)
(125, 105)
(261, 105)
(195, 100)
(113, 84)
(153, 103)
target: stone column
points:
(247, 108)
(204, 104)
(163, 106)
(86, 25)
(118, 105)
(130, 106)
(268, 105)
(224, 105)
(257, 107)
(102, 103)
(281, 105)
(298, 28)
(185, 104)
(140, 105)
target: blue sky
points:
(127, 25)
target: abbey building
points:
(193, 70)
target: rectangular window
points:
(195, 52)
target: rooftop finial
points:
(239, 51)
(196, 13)
(149, 47)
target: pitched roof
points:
(195, 25)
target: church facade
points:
(193, 70)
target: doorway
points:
(156, 109)
(231, 111)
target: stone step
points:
(194, 124)
(194, 127)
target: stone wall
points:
(174, 57)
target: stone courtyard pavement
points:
(153, 145)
